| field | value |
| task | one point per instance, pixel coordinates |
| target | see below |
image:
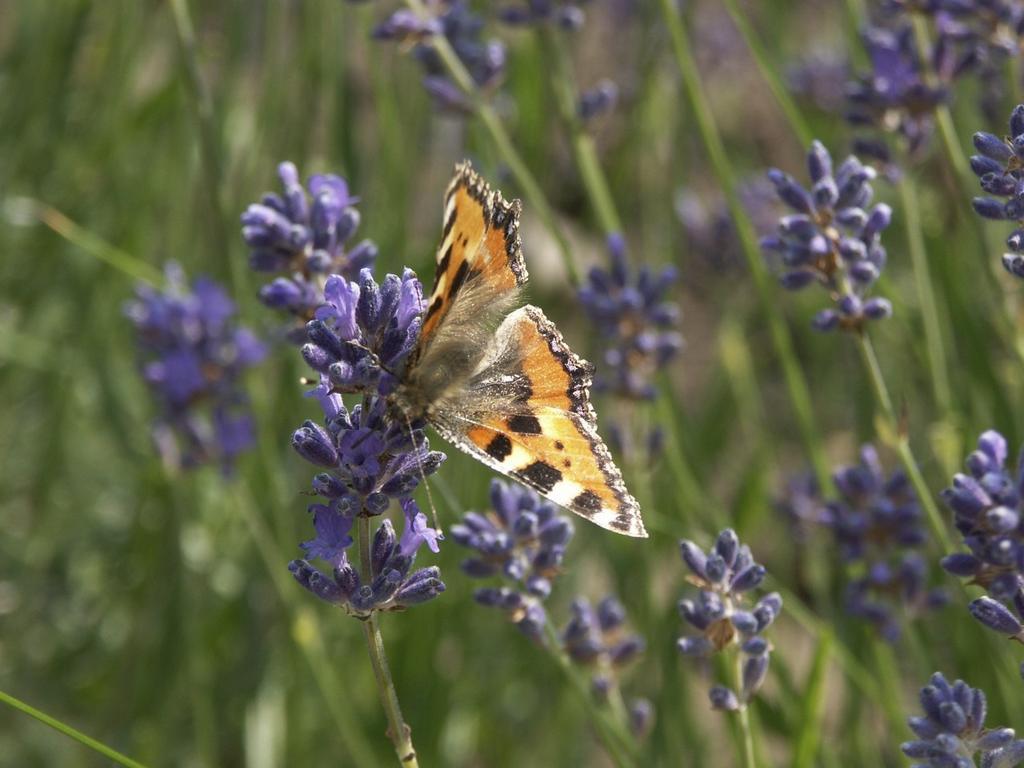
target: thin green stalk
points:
(929, 308)
(620, 746)
(399, 733)
(779, 90)
(743, 717)
(888, 671)
(813, 710)
(210, 144)
(95, 245)
(67, 730)
(503, 143)
(594, 181)
(902, 440)
(781, 340)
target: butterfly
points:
(499, 382)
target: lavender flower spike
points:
(192, 356)
(359, 341)
(1000, 168)
(833, 239)
(952, 734)
(302, 236)
(987, 507)
(522, 540)
(725, 575)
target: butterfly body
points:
(500, 383)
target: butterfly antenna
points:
(423, 475)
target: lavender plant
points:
(986, 502)
(833, 239)
(192, 354)
(484, 60)
(999, 167)
(879, 529)
(522, 540)
(301, 235)
(358, 343)
(725, 575)
(635, 319)
(952, 731)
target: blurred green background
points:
(155, 612)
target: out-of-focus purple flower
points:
(972, 37)
(192, 357)
(987, 508)
(725, 575)
(302, 235)
(567, 14)
(951, 732)
(358, 342)
(877, 524)
(483, 59)
(598, 101)
(820, 77)
(636, 321)
(709, 227)
(801, 505)
(598, 639)
(1000, 167)
(522, 540)
(833, 239)
(894, 97)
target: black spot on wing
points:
(442, 265)
(448, 224)
(559, 445)
(524, 424)
(499, 447)
(587, 501)
(434, 308)
(540, 475)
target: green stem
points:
(743, 715)
(929, 309)
(503, 143)
(781, 340)
(902, 441)
(399, 733)
(67, 730)
(779, 90)
(620, 746)
(594, 181)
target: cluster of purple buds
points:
(833, 239)
(521, 540)
(1000, 166)
(567, 14)
(484, 60)
(725, 575)
(363, 332)
(599, 640)
(192, 357)
(301, 235)
(878, 525)
(952, 732)
(598, 101)
(974, 36)
(987, 508)
(392, 584)
(358, 343)
(636, 321)
(895, 97)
